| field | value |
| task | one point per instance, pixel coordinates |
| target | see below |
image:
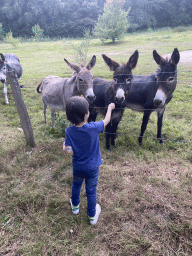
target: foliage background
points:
(69, 18)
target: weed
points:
(60, 125)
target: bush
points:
(38, 32)
(11, 40)
(60, 125)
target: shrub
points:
(60, 125)
(38, 32)
(11, 40)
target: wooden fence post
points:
(21, 108)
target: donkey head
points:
(122, 76)
(84, 79)
(3, 68)
(166, 77)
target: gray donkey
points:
(57, 91)
(9, 61)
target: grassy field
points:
(145, 192)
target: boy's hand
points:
(107, 119)
(111, 106)
(67, 149)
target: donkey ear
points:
(91, 63)
(113, 65)
(175, 57)
(159, 60)
(2, 57)
(72, 66)
(132, 62)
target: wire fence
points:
(137, 109)
(149, 137)
(142, 109)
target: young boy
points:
(82, 140)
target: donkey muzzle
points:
(119, 100)
(120, 96)
(157, 102)
(91, 98)
(160, 99)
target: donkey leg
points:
(108, 136)
(118, 115)
(5, 93)
(146, 116)
(52, 117)
(159, 125)
(44, 111)
(114, 133)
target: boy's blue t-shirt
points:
(85, 144)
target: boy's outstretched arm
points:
(107, 119)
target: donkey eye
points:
(171, 79)
(80, 79)
(115, 79)
(128, 80)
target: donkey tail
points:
(38, 87)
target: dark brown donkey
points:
(115, 91)
(153, 92)
(57, 91)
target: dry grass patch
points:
(141, 209)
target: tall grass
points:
(144, 192)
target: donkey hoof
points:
(161, 141)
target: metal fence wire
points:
(23, 87)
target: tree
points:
(146, 14)
(70, 18)
(57, 18)
(113, 23)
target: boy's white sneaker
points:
(93, 220)
(75, 209)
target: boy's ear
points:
(86, 116)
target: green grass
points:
(144, 192)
